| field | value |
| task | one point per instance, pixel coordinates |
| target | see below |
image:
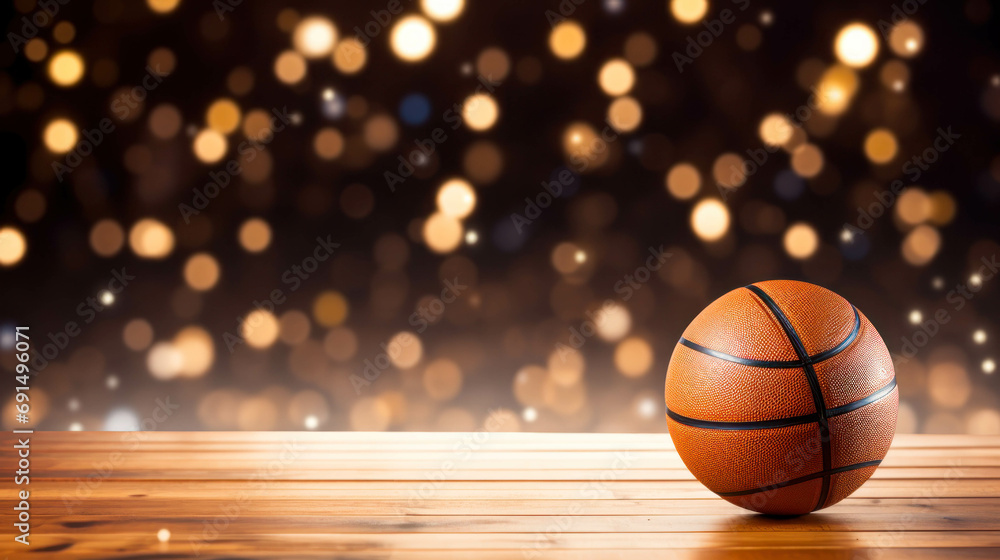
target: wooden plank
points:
(58, 489)
(520, 543)
(572, 517)
(526, 495)
(653, 476)
(430, 440)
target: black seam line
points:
(781, 364)
(783, 422)
(817, 391)
(824, 473)
(751, 425)
(876, 396)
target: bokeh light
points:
(710, 219)
(413, 38)
(949, 385)
(107, 238)
(683, 181)
(914, 206)
(625, 114)
(137, 334)
(290, 67)
(201, 272)
(349, 56)
(567, 40)
(255, 235)
(688, 11)
(164, 361)
(442, 233)
(614, 322)
(194, 346)
(906, 39)
(210, 146)
(881, 145)
(801, 241)
(807, 160)
(260, 329)
(493, 63)
(163, 7)
(223, 116)
(616, 77)
(330, 309)
(775, 129)
(633, 357)
(151, 239)
(66, 68)
(566, 366)
(442, 379)
(13, 246)
(442, 10)
(456, 198)
(30, 205)
(921, 245)
(314, 36)
(480, 111)
(836, 89)
(640, 49)
(856, 45)
(60, 136)
(405, 350)
(567, 258)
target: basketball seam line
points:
(814, 386)
(824, 473)
(784, 422)
(781, 364)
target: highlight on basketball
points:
(520, 279)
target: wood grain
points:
(486, 495)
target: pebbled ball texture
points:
(797, 433)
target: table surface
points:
(471, 495)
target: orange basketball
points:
(781, 397)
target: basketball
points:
(781, 397)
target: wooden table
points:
(476, 495)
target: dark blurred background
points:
(317, 215)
